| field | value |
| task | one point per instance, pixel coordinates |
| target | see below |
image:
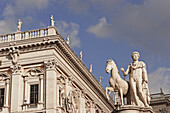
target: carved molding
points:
(33, 72)
(17, 69)
(4, 76)
(50, 64)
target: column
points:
(26, 92)
(41, 32)
(6, 102)
(41, 89)
(51, 83)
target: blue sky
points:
(103, 29)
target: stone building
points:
(40, 73)
(160, 102)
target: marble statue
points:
(138, 81)
(91, 68)
(19, 25)
(100, 79)
(68, 40)
(81, 55)
(52, 20)
(115, 81)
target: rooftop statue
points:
(91, 68)
(52, 20)
(81, 55)
(68, 40)
(19, 25)
(100, 79)
(138, 81)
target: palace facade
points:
(40, 73)
(160, 102)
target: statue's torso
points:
(136, 71)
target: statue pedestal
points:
(132, 109)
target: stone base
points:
(132, 109)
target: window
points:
(1, 97)
(34, 94)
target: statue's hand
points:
(122, 70)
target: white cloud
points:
(71, 30)
(101, 29)
(159, 79)
(141, 25)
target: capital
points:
(50, 64)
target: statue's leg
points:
(110, 90)
(133, 90)
(121, 96)
(139, 87)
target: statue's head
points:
(135, 55)
(109, 65)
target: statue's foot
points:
(108, 97)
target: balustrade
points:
(28, 34)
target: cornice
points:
(85, 73)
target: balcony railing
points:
(28, 34)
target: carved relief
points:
(16, 69)
(61, 81)
(50, 64)
(34, 72)
(72, 101)
(14, 54)
(88, 106)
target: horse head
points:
(110, 65)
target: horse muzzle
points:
(107, 71)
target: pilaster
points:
(82, 102)
(17, 92)
(51, 79)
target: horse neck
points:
(114, 72)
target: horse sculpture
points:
(116, 82)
